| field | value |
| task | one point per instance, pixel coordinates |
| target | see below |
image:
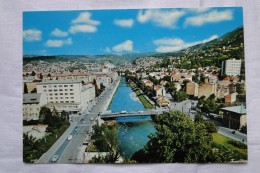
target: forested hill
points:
(230, 45)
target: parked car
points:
(54, 158)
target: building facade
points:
(32, 104)
(69, 95)
(231, 67)
(234, 117)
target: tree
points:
(178, 139)
(41, 76)
(64, 115)
(180, 96)
(33, 73)
(25, 89)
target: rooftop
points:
(31, 98)
(60, 82)
(236, 109)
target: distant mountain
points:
(116, 59)
(232, 41)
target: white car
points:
(54, 158)
(70, 137)
(91, 119)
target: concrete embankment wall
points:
(109, 99)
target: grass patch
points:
(144, 101)
(229, 143)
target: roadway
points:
(68, 152)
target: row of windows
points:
(51, 98)
(61, 101)
(61, 94)
(55, 90)
(55, 86)
(31, 109)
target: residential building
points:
(69, 95)
(231, 67)
(32, 104)
(234, 117)
(162, 101)
(159, 91)
(192, 89)
(207, 89)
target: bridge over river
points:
(114, 115)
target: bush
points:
(237, 144)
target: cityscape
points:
(135, 86)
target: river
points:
(132, 131)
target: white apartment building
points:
(68, 95)
(32, 104)
(231, 67)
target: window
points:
(50, 90)
(56, 94)
(66, 93)
(49, 86)
(56, 97)
(71, 85)
(44, 90)
(51, 94)
(55, 90)
(62, 101)
(60, 85)
(66, 89)
(61, 97)
(72, 101)
(65, 85)
(72, 97)
(71, 93)
(71, 89)
(67, 101)
(61, 93)
(55, 86)
(44, 86)
(66, 97)
(60, 89)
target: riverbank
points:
(143, 100)
(110, 98)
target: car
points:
(76, 129)
(54, 158)
(70, 137)
(123, 112)
(92, 119)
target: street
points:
(67, 150)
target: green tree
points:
(33, 73)
(41, 76)
(178, 139)
(25, 89)
(180, 96)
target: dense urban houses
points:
(231, 67)
(72, 96)
(234, 117)
(32, 104)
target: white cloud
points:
(210, 17)
(175, 44)
(82, 28)
(85, 18)
(59, 33)
(126, 23)
(169, 41)
(107, 49)
(198, 10)
(125, 46)
(58, 43)
(32, 35)
(163, 18)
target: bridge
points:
(110, 116)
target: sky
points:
(95, 32)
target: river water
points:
(132, 131)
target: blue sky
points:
(95, 32)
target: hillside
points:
(230, 45)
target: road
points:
(236, 136)
(69, 150)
